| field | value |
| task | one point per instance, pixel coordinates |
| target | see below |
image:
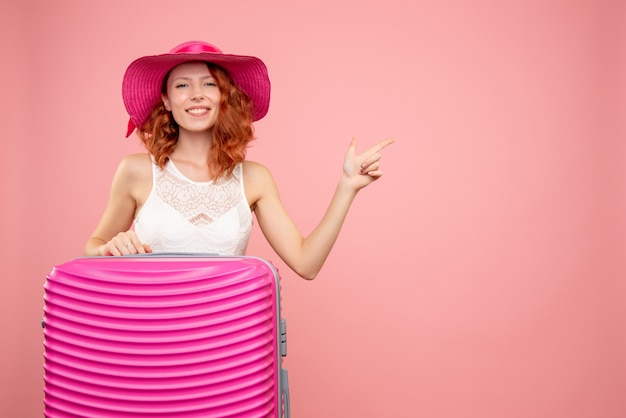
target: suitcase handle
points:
(173, 254)
(284, 389)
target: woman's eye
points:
(180, 85)
(210, 84)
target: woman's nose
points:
(196, 92)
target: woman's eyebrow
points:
(183, 77)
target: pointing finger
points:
(381, 145)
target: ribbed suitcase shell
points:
(164, 336)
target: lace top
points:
(183, 216)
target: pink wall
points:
(480, 278)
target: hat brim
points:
(141, 86)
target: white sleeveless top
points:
(184, 216)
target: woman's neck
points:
(193, 147)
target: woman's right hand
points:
(124, 243)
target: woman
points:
(194, 191)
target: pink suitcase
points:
(164, 336)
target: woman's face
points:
(193, 97)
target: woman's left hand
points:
(363, 169)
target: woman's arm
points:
(306, 256)
(112, 236)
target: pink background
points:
(483, 276)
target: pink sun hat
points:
(141, 87)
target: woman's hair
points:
(232, 131)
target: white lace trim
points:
(199, 202)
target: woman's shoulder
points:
(252, 165)
(255, 171)
(135, 166)
(258, 181)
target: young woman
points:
(194, 191)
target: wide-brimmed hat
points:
(141, 87)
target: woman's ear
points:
(166, 102)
